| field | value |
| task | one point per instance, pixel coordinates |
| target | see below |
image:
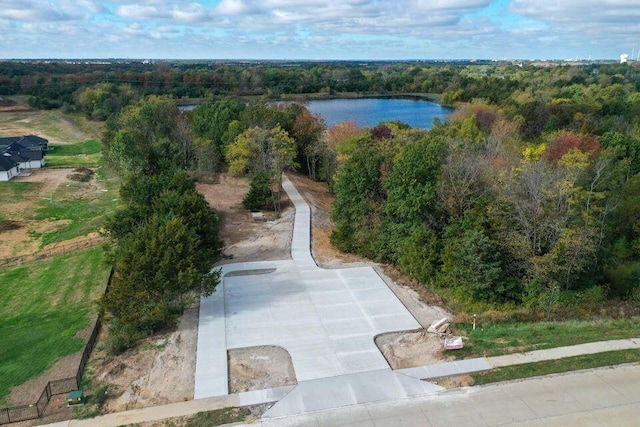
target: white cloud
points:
(579, 11)
(191, 12)
(142, 12)
(31, 10)
(319, 28)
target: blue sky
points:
(314, 29)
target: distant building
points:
(21, 153)
(8, 169)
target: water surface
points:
(417, 113)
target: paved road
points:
(599, 397)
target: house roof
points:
(6, 164)
(20, 149)
(31, 154)
(26, 141)
(16, 157)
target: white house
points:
(8, 168)
(28, 159)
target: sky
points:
(320, 30)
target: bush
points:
(259, 195)
(122, 337)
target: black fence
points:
(53, 388)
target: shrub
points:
(122, 337)
(259, 195)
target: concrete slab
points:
(211, 358)
(325, 319)
(346, 390)
(446, 369)
(502, 411)
(549, 401)
(256, 397)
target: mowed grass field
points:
(81, 207)
(44, 306)
(86, 153)
(56, 126)
(57, 209)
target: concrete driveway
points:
(325, 319)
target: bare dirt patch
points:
(455, 382)
(257, 368)
(9, 225)
(410, 349)
(159, 370)
(244, 238)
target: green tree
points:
(259, 150)
(419, 254)
(164, 242)
(155, 273)
(259, 194)
(210, 122)
(307, 132)
(411, 188)
(357, 206)
(149, 138)
(471, 263)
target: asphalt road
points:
(599, 397)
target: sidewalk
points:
(468, 366)
(156, 413)
(273, 395)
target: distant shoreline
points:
(302, 97)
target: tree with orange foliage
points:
(566, 142)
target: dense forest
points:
(526, 200)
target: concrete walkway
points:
(469, 366)
(435, 398)
(326, 320)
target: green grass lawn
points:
(44, 305)
(83, 206)
(13, 191)
(67, 127)
(84, 212)
(494, 340)
(85, 153)
(586, 361)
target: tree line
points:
(478, 213)
(525, 198)
(164, 238)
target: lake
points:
(417, 113)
